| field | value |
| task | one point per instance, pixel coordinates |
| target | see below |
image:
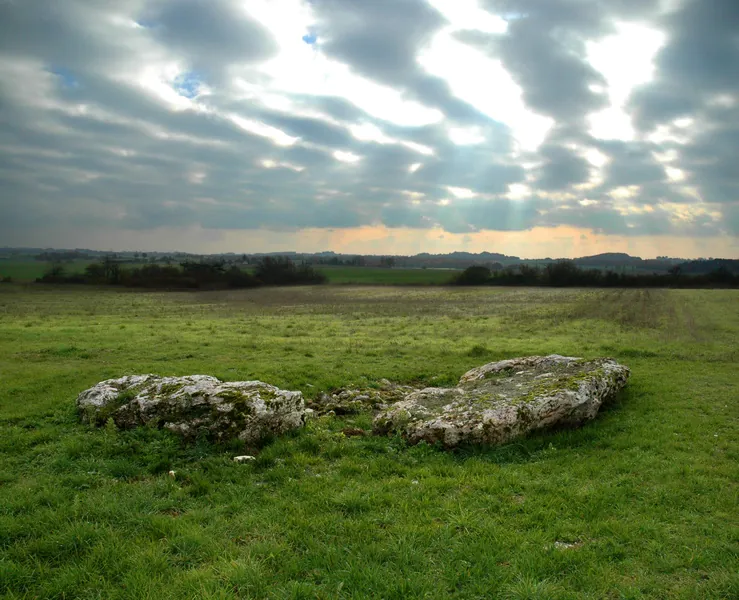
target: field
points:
(29, 270)
(385, 276)
(641, 503)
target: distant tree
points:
(475, 275)
(56, 270)
(562, 273)
(95, 273)
(280, 270)
(112, 269)
(721, 275)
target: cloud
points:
(434, 115)
(209, 34)
(562, 168)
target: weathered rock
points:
(501, 401)
(194, 405)
(348, 401)
(244, 458)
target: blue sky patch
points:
(66, 77)
(187, 84)
(310, 38)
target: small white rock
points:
(243, 459)
(566, 545)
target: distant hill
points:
(607, 261)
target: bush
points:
(475, 275)
(566, 273)
(189, 275)
(236, 278)
(281, 270)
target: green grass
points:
(29, 270)
(641, 503)
(385, 276)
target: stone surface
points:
(194, 405)
(348, 401)
(244, 458)
(502, 401)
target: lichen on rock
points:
(501, 401)
(194, 405)
(349, 401)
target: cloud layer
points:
(618, 118)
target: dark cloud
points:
(544, 50)
(465, 216)
(562, 169)
(605, 218)
(730, 213)
(555, 79)
(379, 39)
(710, 159)
(210, 33)
(699, 62)
(697, 76)
(630, 163)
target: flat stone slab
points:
(194, 405)
(504, 400)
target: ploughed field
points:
(640, 503)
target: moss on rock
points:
(501, 401)
(193, 405)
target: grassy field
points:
(384, 276)
(641, 503)
(29, 270)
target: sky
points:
(530, 127)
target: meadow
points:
(385, 276)
(640, 503)
(29, 269)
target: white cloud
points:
(485, 84)
(626, 60)
(469, 15)
(465, 136)
(461, 193)
(347, 157)
(278, 137)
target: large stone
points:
(502, 401)
(194, 405)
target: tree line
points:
(271, 270)
(568, 274)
